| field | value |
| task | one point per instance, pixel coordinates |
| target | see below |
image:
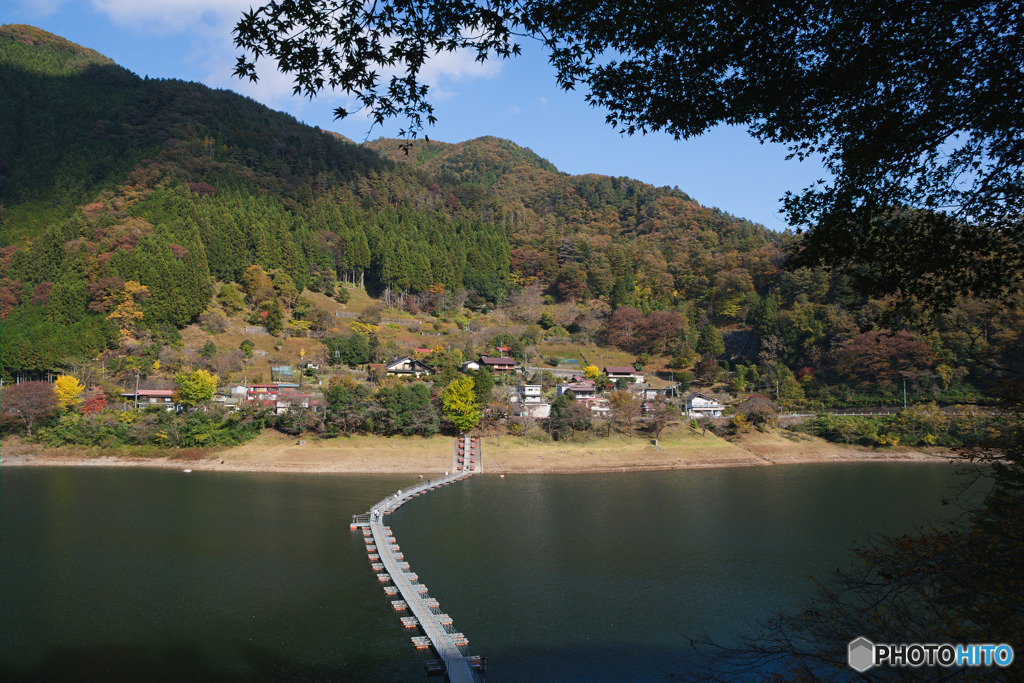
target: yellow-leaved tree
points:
(195, 387)
(68, 391)
(592, 372)
(127, 312)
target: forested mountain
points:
(109, 178)
(597, 236)
(125, 200)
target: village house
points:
(581, 388)
(288, 398)
(529, 399)
(408, 366)
(699, 405)
(501, 366)
(144, 398)
(229, 399)
(599, 406)
(617, 372)
(645, 392)
(262, 393)
(529, 393)
(226, 402)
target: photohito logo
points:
(862, 654)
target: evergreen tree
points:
(710, 342)
(483, 384)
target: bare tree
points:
(625, 409)
(663, 414)
(525, 423)
(27, 404)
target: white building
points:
(617, 372)
(408, 366)
(530, 401)
(529, 393)
(698, 405)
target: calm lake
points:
(127, 574)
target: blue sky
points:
(517, 100)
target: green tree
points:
(567, 417)
(271, 316)
(710, 342)
(483, 385)
(230, 297)
(195, 387)
(458, 403)
(352, 350)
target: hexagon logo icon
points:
(861, 654)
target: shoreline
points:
(276, 453)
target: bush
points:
(214, 322)
(158, 427)
(740, 424)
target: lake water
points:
(126, 574)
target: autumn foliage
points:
(68, 391)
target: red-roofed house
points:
(262, 393)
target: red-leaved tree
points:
(95, 401)
(881, 357)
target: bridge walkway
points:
(447, 643)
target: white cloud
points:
(40, 8)
(172, 16)
(457, 66)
